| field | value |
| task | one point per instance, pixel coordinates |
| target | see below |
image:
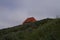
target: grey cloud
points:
(15, 14)
(44, 8)
(12, 18)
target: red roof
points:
(31, 19)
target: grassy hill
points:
(46, 29)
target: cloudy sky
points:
(14, 12)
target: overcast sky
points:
(14, 12)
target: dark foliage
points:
(46, 29)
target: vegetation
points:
(46, 29)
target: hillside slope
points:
(46, 29)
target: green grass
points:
(46, 29)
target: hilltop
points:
(45, 29)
